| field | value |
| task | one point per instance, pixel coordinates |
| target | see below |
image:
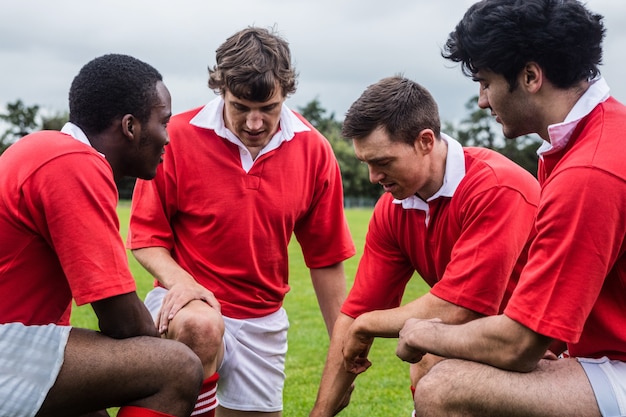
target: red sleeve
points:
(496, 226)
(562, 281)
(383, 270)
(150, 214)
(323, 232)
(80, 216)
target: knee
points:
(433, 392)
(184, 368)
(200, 330)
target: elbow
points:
(521, 364)
(130, 330)
(124, 316)
(524, 355)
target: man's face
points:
(254, 123)
(401, 169)
(510, 108)
(153, 136)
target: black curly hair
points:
(110, 86)
(502, 36)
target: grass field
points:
(382, 391)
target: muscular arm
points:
(387, 323)
(330, 288)
(336, 381)
(182, 287)
(352, 339)
(124, 316)
(159, 262)
(496, 340)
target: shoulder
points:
(490, 173)
(42, 147)
(306, 135)
(182, 119)
(488, 165)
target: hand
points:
(355, 350)
(409, 335)
(178, 296)
(556, 349)
(550, 356)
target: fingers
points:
(405, 349)
(163, 321)
(408, 354)
(549, 355)
(178, 297)
(212, 302)
(357, 366)
(168, 311)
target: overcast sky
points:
(339, 47)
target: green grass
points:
(381, 391)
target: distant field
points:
(382, 391)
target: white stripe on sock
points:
(206, 402)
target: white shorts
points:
(252, 374)
(30, 361)
(608, 380)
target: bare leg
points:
(100, 372)
(202, 329)
(460, 388)
(418, 370)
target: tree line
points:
(477, 128)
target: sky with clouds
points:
(339, 47)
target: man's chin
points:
(398, 196)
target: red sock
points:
(132, 411)
(207, 400)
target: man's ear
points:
(532, 77)
(425, 141)
(129, 126)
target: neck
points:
(439, 156)
(559, 103)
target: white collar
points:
(77, 133)
(211, 116)
(560, 133)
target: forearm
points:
(496, 340)
(159, 263)
(336, 381)
(182, 287)
(330, 288)
(124, 316)
(387, 323)
(381, 323)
